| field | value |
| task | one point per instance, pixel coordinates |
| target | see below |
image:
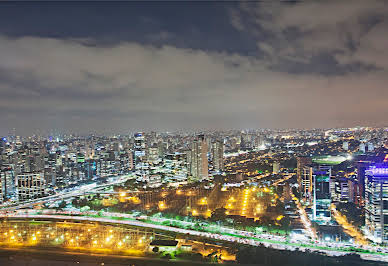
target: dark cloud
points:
(78, 68)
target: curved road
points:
(215, 236)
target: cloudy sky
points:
(118, 67)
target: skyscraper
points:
(301, 163)
(30, 186)
(199, 162)
(322, 196)
(345, 145)
(306, 184)
(218, 155)
(376, 202)
(7, 180)
(362, 147)
(140, 160)
(275, 167)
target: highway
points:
(82, 190)
(235, 236)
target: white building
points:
(30, 186)
(199, 161)
(376, 203)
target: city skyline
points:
(194, 132)
(112, 68)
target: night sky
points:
(116, 67)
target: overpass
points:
(234, 236)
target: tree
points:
(218, 214)
(62, 204)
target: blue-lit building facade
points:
(140, 160)
(321, 194)
(376, 202)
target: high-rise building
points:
(362, 166)
(345, 145)
(362, 147)
(275, 167)
(341, 189)
(140, 160)
(30, 186)
(199, 162)
(301, 163)
(1, 191)
(260, 142)
(376, 202)
(7, 180)
(370, 146)
(306, 184)
(153, 155)
(322, 195)
(218, 155)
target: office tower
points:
(362, 147)
(322, 195)
(1, 190)
(30, 186)
(341, 189)
(218, 155)
(301, 163)
(370, 147)
(355, 191)
(275, 167)
(140, 160)
(306, 184)
(376, 202)
(345, 145)
(260, 142)
(7, 180)
(199, 162)
(3, 144)
(362, 166)
(153, 155)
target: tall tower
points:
(376, 202)
(218, 155)
(275, 167)
(345, 145)
(140, 160)
(301, 163)
(322, 196)
(199, 162)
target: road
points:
(235, 236)
(82, 190)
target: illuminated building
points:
(141, 165)
(341, 189)
(345, 145)
(306, 184)
(301, 162)
(164, 245)
(322, 196)
(355, 194)
(218, 156)
(376, 202)
(275, 167)
(362, 147)
(370, 147)
(362, 166)
(154, 181)
(7, 180)
(30, 186)
(1, 191)
(153, 155)
(199, 162)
